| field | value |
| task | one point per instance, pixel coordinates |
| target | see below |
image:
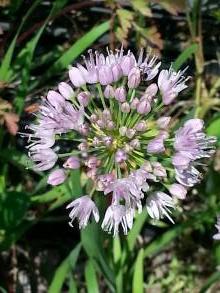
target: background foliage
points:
(39, 251)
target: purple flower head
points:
(117, 134)
(82, 209)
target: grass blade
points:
(91, 280)
(62, 271)
(184, 56)
(138, 277)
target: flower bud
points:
(101, 123)
(141, 126)
(158, 170)
(105, 75)
(130, 133)
(117, 72)
(127, 148)
(66, 90)
(56, 100)
(127, 63)
(134, 103)
(108, 92)
(120, 94)
(122, 130)
(144, 107)
(135, 143)
(125, 108)
(178, 191)
(84, 129)
(83, 146)
(72, 163)
(107, 140)
(110, 125)
(96, 141)
(134, 78)
(56, 177)
(163, 122)
(156, 146)
(120, 156)
(93, 118)
(83, 98)
(92, 162)
(106, 114)
(76, 77)
(151, 90)
(147, 166)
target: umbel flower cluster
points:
(112, 113)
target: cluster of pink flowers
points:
(111, 114)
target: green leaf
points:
(26, 57)
(184, 56)
(72, 285)
(13, 206)
(138, 277)
(92, 243)
(160, 242)
(78, 47)
(91, 280)
(138, 225)
(5, 69)
(64, 269)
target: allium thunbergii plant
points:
(113, 114)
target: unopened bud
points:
(178, 191)
(66, 90)
(72, 163)
(120, 94)
(144, 107)
(125, 108)
(134, 78)
(76, 77)
(56, 177)
(141, 126)
(83, 98)
(108, 92)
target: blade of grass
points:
(138, 225)
(64, 268)
(26, 57)
(138, 277)
(77, 48)
(6, 62)
(91, 279)
(184, 56)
